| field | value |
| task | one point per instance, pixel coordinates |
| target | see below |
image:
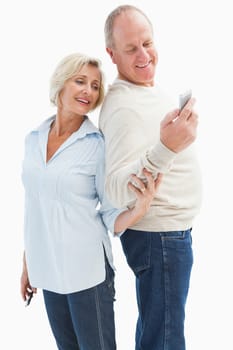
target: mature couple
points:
(145, 175)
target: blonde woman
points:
(67, 248)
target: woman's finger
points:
(135, 189)
(137, 183)
(152, 184)
(158, 180)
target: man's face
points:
(134, 52)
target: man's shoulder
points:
(124, 97)
(127, 92)
(119, 90)
(120, 94)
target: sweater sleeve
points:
(124, 135)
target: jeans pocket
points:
(137, 249)
(179, 240)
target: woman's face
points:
(81, 92)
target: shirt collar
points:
(87, 127)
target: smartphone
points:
(29, 299)
(184, 98)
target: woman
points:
(67, 248)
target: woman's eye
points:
(79, 81)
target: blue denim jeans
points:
(162, 263)
(83, 320)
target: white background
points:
(194, 40)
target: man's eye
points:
(133, 49)
(148, 44)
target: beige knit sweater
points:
(130, 121)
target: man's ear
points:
(110, 52)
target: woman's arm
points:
(144, 196)
(26, 288)
(118, 220)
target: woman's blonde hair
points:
(68, 67)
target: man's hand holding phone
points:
(184, 98)
(179, 127)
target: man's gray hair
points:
(109, 23)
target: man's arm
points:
(123, 136)
(123, 139)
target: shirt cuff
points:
(160, 157)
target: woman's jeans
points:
(162, 263)
(84, 320)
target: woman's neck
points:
(66, 125)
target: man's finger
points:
(169, 117)
(187, 110)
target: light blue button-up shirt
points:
(65, 232)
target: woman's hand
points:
(144, 196)
(144, 192)
(26, 288)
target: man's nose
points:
(142, 53)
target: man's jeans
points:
(162, 263)
(84, 320)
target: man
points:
(143, 130)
